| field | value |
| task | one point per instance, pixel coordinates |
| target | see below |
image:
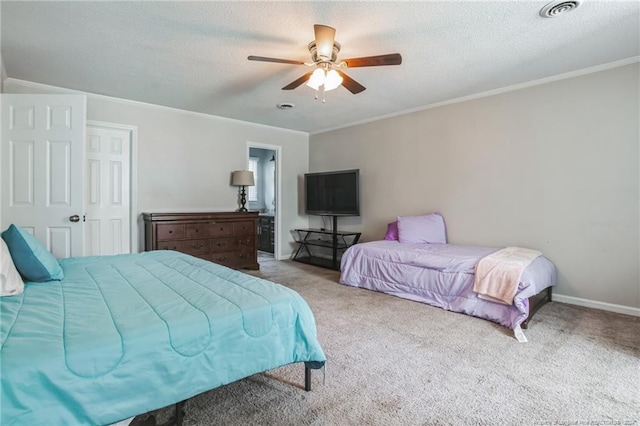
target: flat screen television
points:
(332, 193)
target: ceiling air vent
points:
(556, 8)
(285, 106)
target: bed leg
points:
(308, 365)
(533, 308)
(179, 413)
(307, 378)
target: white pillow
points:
(11, 283)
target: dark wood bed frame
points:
(535, 303)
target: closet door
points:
(42, 168)
(107, 191)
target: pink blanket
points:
(498, 274)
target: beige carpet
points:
(395, 362)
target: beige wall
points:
(3, 74)
(185, 160)
(552, 167)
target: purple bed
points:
(442, 275)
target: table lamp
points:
(242, 178)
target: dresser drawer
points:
(189, 246)
(225, 258)
(240, 259)
(170, 231)
(197, 230)
(246, 242)
(194, 246)
(221, 229)
(168, 245)
(224, 244)
(244, 228)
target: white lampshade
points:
(242, 178)
(332, 80)
(317, 79)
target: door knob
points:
(74, 218)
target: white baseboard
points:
(627, 310)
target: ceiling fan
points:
(328, 73)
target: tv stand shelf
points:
(330, 246)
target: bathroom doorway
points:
(263, 197)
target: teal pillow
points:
(32, 259)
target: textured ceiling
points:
(193, 55)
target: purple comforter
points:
(440, 275)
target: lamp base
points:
(243, 200)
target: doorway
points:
(263, 197)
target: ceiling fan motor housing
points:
(313, 49)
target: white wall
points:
(3, 72)
(553, 167)
(185, 159)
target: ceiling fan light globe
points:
(332, 80)
(317, 79)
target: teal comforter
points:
(123, 335)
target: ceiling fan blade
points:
(374, 61)
(350, 84)
(325, 37)
(297, 82)
(280, 61)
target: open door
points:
(42, 158)
(264, 161)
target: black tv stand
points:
(315, 245)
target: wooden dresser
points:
(227, 238)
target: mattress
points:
(123, 335)
(441, 275)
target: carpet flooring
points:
(392, 361)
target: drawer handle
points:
(194, 246)
(170, 231)
(197, 230)
(224, 244)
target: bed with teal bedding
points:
(123, 335)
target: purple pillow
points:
(428, 228)
(392, 232)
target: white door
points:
(107, 196)
(42, 174)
